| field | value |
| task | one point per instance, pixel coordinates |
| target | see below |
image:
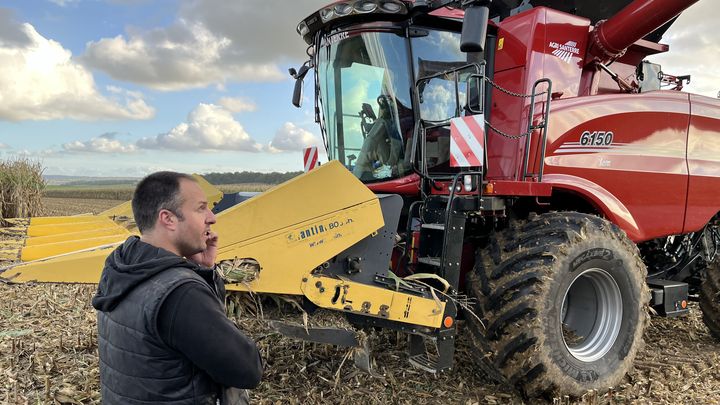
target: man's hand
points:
(207, 257)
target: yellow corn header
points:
(292, 231)
(48, 237)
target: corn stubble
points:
(48, 355)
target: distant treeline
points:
(249, 177)
(109, 182)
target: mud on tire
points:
(572, 267)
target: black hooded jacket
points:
(163, 335)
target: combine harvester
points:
(509, 163)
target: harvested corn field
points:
(54, 206)
(48, 354)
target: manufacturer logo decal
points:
(566, 51)
(334, 38)
(314, 233)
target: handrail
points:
(421, 126)
(542, 126)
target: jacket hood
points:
(128, 266)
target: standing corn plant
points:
(21, 187)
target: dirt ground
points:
(48, 354)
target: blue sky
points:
(127, 87)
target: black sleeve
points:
(192, 321)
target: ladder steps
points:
(432, 261)
(439, 227)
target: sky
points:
(123, 88)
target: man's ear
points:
(167, 220)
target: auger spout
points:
(613, 36)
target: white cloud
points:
(438, 100)
(265, 30)
(694, 48)
(127, 2)
(4, 146)
(209, 127)
(105, 143)
(32, 154)
(292, 138)
(211, 42)
(237, 104)
(63, 3)
(40, 81)
(447, 43)
(185, 55)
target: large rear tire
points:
(563, 299)
(710, 299)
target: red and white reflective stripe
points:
(310, 157)
(467, 141)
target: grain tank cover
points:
(592, 10)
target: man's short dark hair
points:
(158, 191)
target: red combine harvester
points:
(548, 172)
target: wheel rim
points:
(591, 315)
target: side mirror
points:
(298, 93)
(474, 29)
(299, 78)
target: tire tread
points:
(509, 280)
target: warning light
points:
(683, 304)
(489, 188)
(448, 321)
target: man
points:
(381, 151)
(163, 336)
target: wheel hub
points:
(591, 315)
